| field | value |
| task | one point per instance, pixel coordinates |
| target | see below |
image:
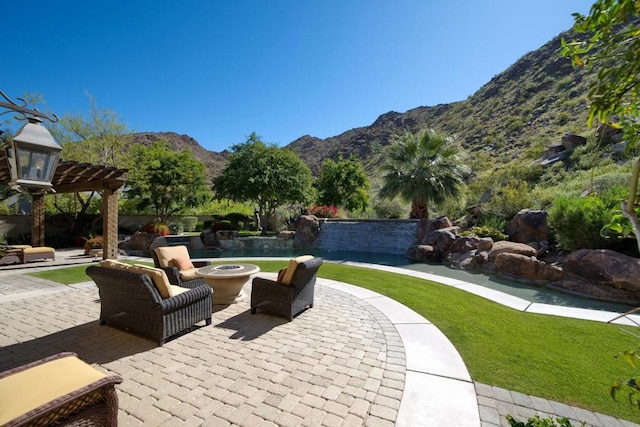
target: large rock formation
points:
(529, 226)
(306, 229)
(605, 268)
(601, 274)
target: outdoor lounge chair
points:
(59, 390)
(291, 293)
(176, 262)
(131, 299)
(26, 253)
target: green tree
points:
(266, 175)
(424, 169)
(166, 180)
(610, 43)
(100, 138)
(343, 183)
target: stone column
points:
(37, 220)
(110, 224)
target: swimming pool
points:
(530, 293)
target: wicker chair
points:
(131, 301)
(287, 297)
(59, 390)
(178, 277)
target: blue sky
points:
(219, 70)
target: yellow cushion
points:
(167, 253)
(112, 263)
(27, 390)
(38, 250)
(281, 274)
(291, 268)
(189, 274)
(19, 246)
(158, 276)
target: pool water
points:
(530, 293)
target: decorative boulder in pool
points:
(306, 228)
(526, 268)
(604, 267)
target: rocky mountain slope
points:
(533, 103)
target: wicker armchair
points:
(163, 257)
(59, 390)
(290, 295)
(131, 301)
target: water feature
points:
(528, 292)
(380, 236)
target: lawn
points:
(568, 360)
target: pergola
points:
(75, 177)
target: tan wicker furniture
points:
(227, 281)
(59, 390)
(130, 299)
(291, 293)
(172, 258)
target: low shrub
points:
(577, 222)
(485, 231)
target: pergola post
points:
(110, 224)
(37, 220)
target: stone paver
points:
(221, 367)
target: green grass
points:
(568, 360)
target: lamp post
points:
(32, 153)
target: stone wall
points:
(388, 236)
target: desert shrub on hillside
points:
(577, 222)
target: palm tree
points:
(424, 169)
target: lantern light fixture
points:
(32, 153)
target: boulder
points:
(306, 229)
(441, 240)
(527, 268)
(426, 226)
(209, 239)
(553, 151)
(485, 244)
(504, 246)
(464, 244)
(529, 226)
(472, 260)
(422, 253)
(141, 241)
(605, 268)
(571, 142)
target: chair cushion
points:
(281, 274)
(166, 253)
(189, 274)
(39, 385)
(112, 263)
(293, 265)
(177, 290)
(158, 276)
(38, 250)
(182, 262)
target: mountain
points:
(534, 101)
(531, 104)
